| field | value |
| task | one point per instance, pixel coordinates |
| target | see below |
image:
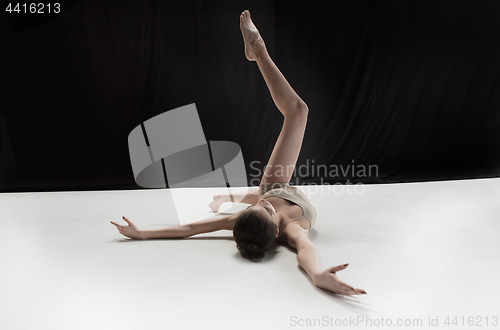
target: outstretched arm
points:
(308, 258)
(178, 231)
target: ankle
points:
(258, 47)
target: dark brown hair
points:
(254, 234)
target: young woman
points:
(279, 212)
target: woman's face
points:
(268, 207)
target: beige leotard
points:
(294, 195)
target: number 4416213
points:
(34, 8)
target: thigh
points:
(286, 151)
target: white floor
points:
(421, 250)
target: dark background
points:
(412, 87)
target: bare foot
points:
(253, 41)
(216, 203)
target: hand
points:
(329, 281)
(130, 231)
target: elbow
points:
(187, 231)
(304, 254)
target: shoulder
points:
(213, 224)
(295, 234)
(231, 220)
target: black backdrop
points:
(411, 87)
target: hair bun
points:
(250, 250)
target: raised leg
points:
(286, 151)
(285, 98)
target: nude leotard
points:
(294, 195)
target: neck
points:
(279, 221)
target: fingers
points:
(342, 287)
(335, 269)
(121, 226)
(347, 292)
(339, 289)
(350, 290)
(356, 291)
(361, 291)
(347, 289)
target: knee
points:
(297, 109)
(301, 108)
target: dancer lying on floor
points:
(279, 212)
